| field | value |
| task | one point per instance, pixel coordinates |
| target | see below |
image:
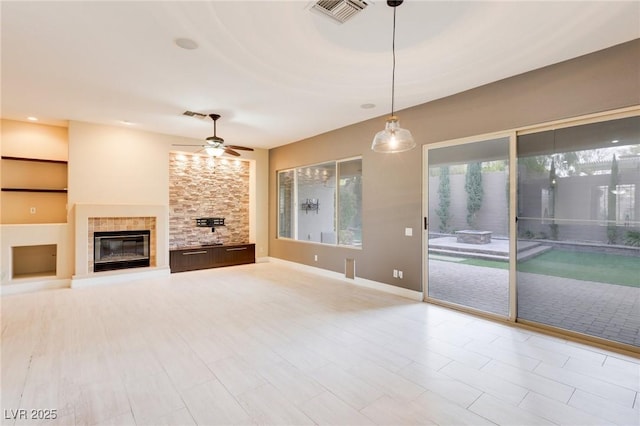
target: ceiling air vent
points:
(194, 114)
(339, 10)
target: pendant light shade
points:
(393, 138)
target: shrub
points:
(632, 238)
(612, 201)
(475, 193)
(444, 194)
(527, 234)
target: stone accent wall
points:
(102, 224)
(203, 186)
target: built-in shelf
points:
(62, 191)
(38, 160)
(34, 175)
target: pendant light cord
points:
(393, 70)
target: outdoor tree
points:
(444, 194)
(475, 193)
(347, 209)
(612, 201)
(553, 187)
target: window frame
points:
(296, 203)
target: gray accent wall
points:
(392, 183)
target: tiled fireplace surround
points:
(100, 224)
(90, 218)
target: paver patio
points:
(604, 310)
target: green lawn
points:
(599, 267)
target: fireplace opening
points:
(120, 250)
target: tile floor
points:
(264, 344)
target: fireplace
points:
(120, 250)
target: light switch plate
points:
(408, 232)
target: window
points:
(624, 203)
(316, 190)
(286, 204)
(350, 203)
(322, 203)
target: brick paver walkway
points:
(603, 310)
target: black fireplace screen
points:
(120, 250)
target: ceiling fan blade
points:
(227, 150)
(242, 148)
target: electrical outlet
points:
(400, 274)
(315, 257)
(395, 273)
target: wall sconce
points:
(310, 205)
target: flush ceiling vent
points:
(194, 114)
(339, 10)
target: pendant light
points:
(393, 138)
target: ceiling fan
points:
(215, 145)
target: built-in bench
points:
(468, 236)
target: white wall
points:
(115, 165)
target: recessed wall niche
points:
(34, 261)
(203, 186)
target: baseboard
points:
(28, 286)
(362, 282)
(264, 259)
(114, 277)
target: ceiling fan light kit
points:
(393, 138)
(213, 152)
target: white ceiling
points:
(274, 70)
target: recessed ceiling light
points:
(125, 122)
(32, 118)
(615, 141)
(367, 106)
(186, 43)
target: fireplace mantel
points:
(83, 211)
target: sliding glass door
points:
(468, 244)
(579, 206)
(556, 246)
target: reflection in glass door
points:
(579, 203)
(468, 225)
